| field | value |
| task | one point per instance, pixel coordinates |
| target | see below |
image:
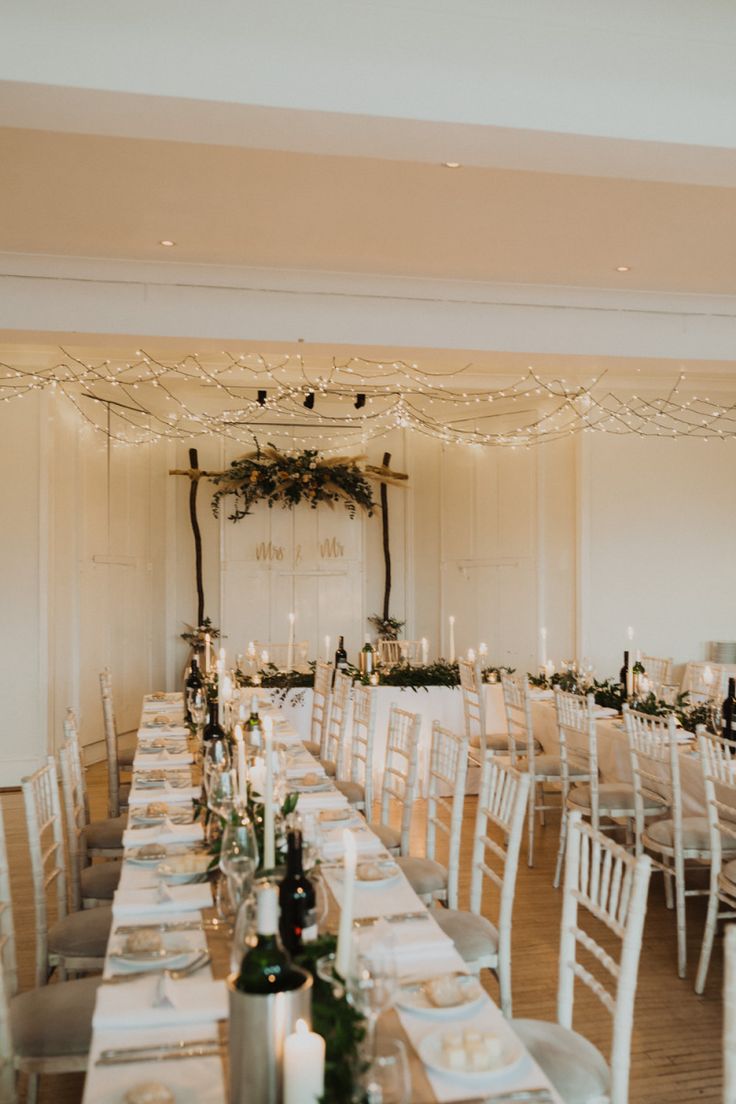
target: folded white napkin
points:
(420, 947)
(322, 799)
(166, 832)
(366, 843)
(192, 1000)
(178, 898)
(172, 795)
(164, 732)
(161, 758)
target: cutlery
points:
(173, 925)
(512, 1096)
(391, 918)
(124, 1057)
(202, 959)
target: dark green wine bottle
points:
(266, 968)
(253, 724)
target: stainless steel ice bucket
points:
(258, 1027)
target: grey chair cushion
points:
(728, 874)
(313, 747)
(474, 936)
(389, 837)
(353, 791)
(424, 875)
(100, 880)
(124, 793)
(82, 934)
(105, 833)
(550, 765)
(329, 767)
(613, 796)
(575, 1067)
(55, 1019)
(695, 834)
(500, 742)
(126, 749)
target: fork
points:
(202, 959)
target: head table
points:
(149, 1012)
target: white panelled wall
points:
(584, 537)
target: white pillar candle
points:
(226, 692)
(290, 651)
(327, 649)
(221, 656)
(483, 650)
(471, 655)
(220, 667)
(304, 1066)
(269, 843)
(251, 649)
(207, 652)
(543, 636)
(425, 651)
(452, 639)
(242, 769)
(708, 677)
(264, 656)
(345, 933)
(549, 668)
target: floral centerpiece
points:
(290, 478)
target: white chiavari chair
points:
(655, 768)
(320, 707)
(392, 652)
(705, 682)
(586, 794)
(719, 777)
(541, 767)
(448, 768)
(400, 779)
(45, 1030)
(359, 788)
(604, 880)
(474, 714)
(76, 941)
(119, 755)
(502, 802)
(286, 657)
(729, 1017)
(658, 670)
(88, 884)
(333, 740)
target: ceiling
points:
(111, 197)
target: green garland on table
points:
(290, 478)
(439, 673)
(255, 813)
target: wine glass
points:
(222, 790)
(238, 856)
(197, 703)
(372, 980)
(388, 1080)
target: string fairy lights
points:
(335, 404)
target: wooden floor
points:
(677, 1035)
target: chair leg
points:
(542, 820)
(681, 921)
(711, 923)
(561, 848)
(32, 1088)
(668, 895)
(530, 818)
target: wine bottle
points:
(215, 740)
(624, 677)
(298, 920)
(729, 710)
(194, 682)
(266, 968)
(253, 724)
(341, 658)
(366, 658)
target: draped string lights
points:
(334, 404)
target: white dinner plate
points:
(335, 816)
(413, 998)
(175, 815)
(430, 1051)
(183, 869)
(297, 786)
(135, 856)
(166, 958)
(392, 872)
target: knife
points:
(392, 918)
(124, 1057)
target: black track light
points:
(359, 401)
(309, 401)
(262, 398)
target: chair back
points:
(655, 769)
(729, 1018)
(333, 741)
(111, 744)
(8, 975)
(604, 880)
(658, 670)
(401, 770)
(365, 704)
(706, 682)
(76, 807)
(502, 803)
(717, 758)
(474, 714)
(391, 652)
(320, 701)
(518, 707)
(286, 657)
(578, 744)
(448, 768)
(46, 843)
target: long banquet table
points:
(146, 1012)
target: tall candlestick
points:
(242, 770)
(264, 657)
(452, 639)
(327, 649)
(483, 650)
(543, 636)
(221, 656)
(304, 1066)
(290, 654)
(425, 651)
(251, 650)
(269, 844)
(549, 668)
(471, 655)
(345, 933)
(207, 652)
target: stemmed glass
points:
(221, 788)
(238, 856)
(372, 979)
(388, 1080)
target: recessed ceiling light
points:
(167, 241)
(452, 164)
(623, 268)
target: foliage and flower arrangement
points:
(195, 636)
(254, 809)
(289, 478)
(388, 628)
